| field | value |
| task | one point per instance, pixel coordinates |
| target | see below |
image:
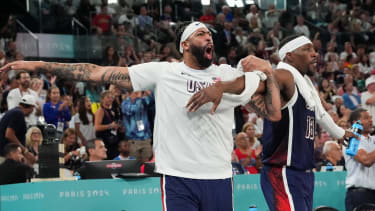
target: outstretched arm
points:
(80, 72)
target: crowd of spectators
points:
(342, 34)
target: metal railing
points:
(34, 36)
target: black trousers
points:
(357, 196)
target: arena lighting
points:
(235, 3)
(205, 2)
(112, 1)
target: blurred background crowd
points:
(134, 32)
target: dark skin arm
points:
(269, 89)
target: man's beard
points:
(198, 53)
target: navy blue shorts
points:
(183, 194)
(287, 189)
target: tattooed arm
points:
(80, 72)
(266, 101)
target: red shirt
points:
(251, 166)
(102, 21)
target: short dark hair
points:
(18, 75)
(179, 30)
(90, 144)
(356, 115)
(11, 147)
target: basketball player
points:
(287, 179)
(192, 149)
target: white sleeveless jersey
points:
(194, 145)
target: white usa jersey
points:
(194, 145)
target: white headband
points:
(293, 45)
(189, 30)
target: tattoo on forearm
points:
(80, 72)
(85, 72)
(263, 104)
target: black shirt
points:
(15, 119)
(14, 172)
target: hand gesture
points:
(251, 63)
(212, 93)
(20, 65)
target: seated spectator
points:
(84, 121)
(326, 90)
(34, 139)
(123, 148)
(37, 86)
(13, 170)
(105, 125)
(208, 16)
(56, 112)
(301, 28)
(332, 156)
(249, 129)
(96, 150)
(102, 20)
(110, 57)
(12, 84)
(246, 156)
(73, 156)
(351, 100)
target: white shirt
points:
(88, 131)
(302, 30)
(14, 98)
(194, 145)
(359, 175)
(369, 107)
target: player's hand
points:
(21, 65)
(212, 93)
(345, 139)
(251, 63)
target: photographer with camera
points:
(74, 154)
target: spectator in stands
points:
(360, 168)
(351, 100)
(208, 16)
(131, 56)
(326, 90)
(73, 155)
(96, 150)
(368, 97)
(348, 50)
(245, 154)
(249, 128)
(15, 95)
(34, 139)
(123, 148)
(93, 92)
(55, 111)
(301, 28)
(332, 156)
(225, 40)
(104, 6)
(331, 55)
(11, 51)
(271, 17)
(143, 22)
(167, 14)
(225, 9)
(110, 57)
(13, 170)
(103, 20)
(106, 125)
(84, 121)
(137, 124)
(364, 64)
(12, 84)
(13, 126)
(37, 86)
(253, 13)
